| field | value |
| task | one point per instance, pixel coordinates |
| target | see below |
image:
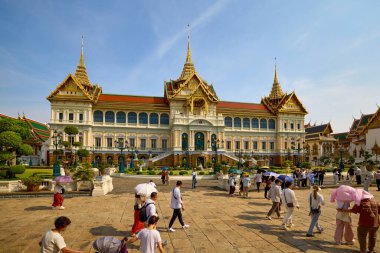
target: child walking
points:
(289, 198)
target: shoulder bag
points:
(287, 204)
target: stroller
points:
(110, 244)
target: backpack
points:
(110, 244)
(143, 216)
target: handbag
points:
(314, 211)
(288, 204)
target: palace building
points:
(188, 125)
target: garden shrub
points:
(138, 173)
(159, 173)
(183, 172)
(201, 173)
(171, 173)
(151, 172)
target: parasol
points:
(63, 179)
(271, 174)
(145, 189)
(165, 168)
(362, 194)
(285, 178)
(344, 193)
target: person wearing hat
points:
(315, 202)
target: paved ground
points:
(217, 223)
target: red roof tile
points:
(238, 105)
(132, 99)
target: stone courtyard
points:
(218, 223)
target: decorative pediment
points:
(71, 88)
(291, 104)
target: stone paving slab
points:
(218, 223)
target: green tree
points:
(25, 149)
(10, 140)
(16, 126)
(71, 130)
(83, 153)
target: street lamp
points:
(93, 156)
(239, 153)
(341, 163)
(57, 140)
(120, 145)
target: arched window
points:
(185, 141)
(227, 122)
(98, 116)
(120, 117)
(143, 118)
(164, 119)
(272, 124)
(132, 118)
(110, 117)
(153, 119)
(237, 122)
(255, 123)
(263, 124)
(246, 123)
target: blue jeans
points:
(314, 223)
(193, 182)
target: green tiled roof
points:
(340, 136)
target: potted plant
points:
(84, 177)
(32, 183)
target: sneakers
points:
(185, 226)
(171, 230)
(58, 208)
(285, 227)
(290, 225)
(268, 217)
(309, 235)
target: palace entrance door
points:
(199, 141)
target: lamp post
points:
(133, 151)
(57, 140)
(186, 151)
(341, 163)
(239, 153)
(75, 158)
(93, 156)
(120, 145)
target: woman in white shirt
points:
(258, 179)
(315, 202)
(289, 198)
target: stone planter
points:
(84, 185)
(102, 186)
(32, 188)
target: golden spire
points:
(276, 92)
(188, 68)
(81, 73)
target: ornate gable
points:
(78, 86)
(291, 105)
(373, 122)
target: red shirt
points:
(369, 212)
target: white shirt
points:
(315, 203)
(52, 242)
(176, 200)
(246, 181)
(288, 196)
(358, 172)
(194, 174)
(149, 239)
(232, 181)
(275, 193)
(150, 210)
(258, 178)
(152, 184)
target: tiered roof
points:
(40, 131)
(320, 132)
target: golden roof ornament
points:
(188, 68)
(81, 73)
(276, 92)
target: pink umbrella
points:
(362, 194)
(344, 193)
(63, 179)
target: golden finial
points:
(81, 59)
(188, 56)
(275, 71)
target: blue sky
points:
(327, 51)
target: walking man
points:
(358, 173)
(275, 196)
(177, 205)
